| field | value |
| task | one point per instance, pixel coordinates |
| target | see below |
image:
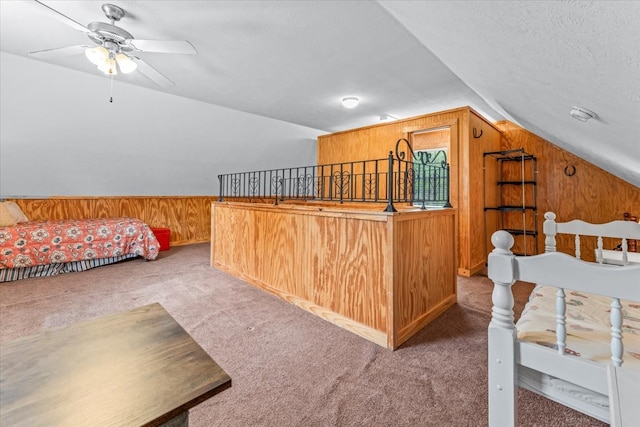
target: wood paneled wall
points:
(465, 159)
(378, 274)
(432, 140)
(376, 141)
(425, 270)
(188, 217)
(480, 137)
(591, 194)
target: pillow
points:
(6, 219)
(16, 212)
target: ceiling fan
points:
(114, 48)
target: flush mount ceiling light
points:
(582, 114)
(350, 102)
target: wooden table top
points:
(138, 368)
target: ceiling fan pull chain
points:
(111, 90)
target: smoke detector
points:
(582, 114)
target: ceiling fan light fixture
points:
(97, 55)
(108, 67)
(110, 41)
(126, 64)
(350, 102)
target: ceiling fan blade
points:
(163, 46)
(59, 51)
(65, 19)
(153, 74)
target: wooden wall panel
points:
(492, 218)
(436, 139)
(421, 241)
(376, 141)
(344, 264)
(349, 274)
(482, 137)
(466, 167)
(346, 147)
(286, 240)
(332, 260)
(225, 245)
(592, 194)
(188, 217)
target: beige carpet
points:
(475, 293)
(288, 367)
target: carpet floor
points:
(289, 367)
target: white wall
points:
(60, 135)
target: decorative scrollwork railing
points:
(422, 157)
(422, 180)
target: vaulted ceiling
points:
(526, 61)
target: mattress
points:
(587, 322)
(588, 336)
(44, 248)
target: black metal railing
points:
(422, 181)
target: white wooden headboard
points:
(619, 229)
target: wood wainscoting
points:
(378, 274)
(188, 217)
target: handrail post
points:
(282, 184)
(390, 207)
(220, 184)
(423, 185)
(447, 184)
(341, 187)
(276, 188)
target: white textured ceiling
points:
(532, 61)
(527, 61)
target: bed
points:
(46, 248)
(580, 330)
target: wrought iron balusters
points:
(422, 180)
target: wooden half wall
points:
(381, 275)
(188, 217)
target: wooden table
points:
(138, 368)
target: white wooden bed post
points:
(502, 334)
(550, 230)
(617, 347)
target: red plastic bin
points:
(164, 236)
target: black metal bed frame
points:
(423, 180)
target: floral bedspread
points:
(587, 321)
(34, 243)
